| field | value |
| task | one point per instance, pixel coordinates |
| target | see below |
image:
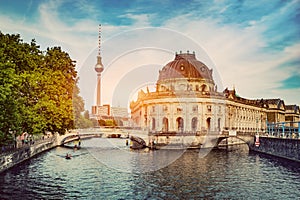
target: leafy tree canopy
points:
(37, 89)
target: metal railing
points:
(17, 145)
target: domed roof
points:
(185, 65)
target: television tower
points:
(99, 68)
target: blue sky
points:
(253, 46)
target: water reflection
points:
(115, 154)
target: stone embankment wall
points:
(280, 147)
(10, 159)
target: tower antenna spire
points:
(99, 65)
(99, 41)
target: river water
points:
(108, 169)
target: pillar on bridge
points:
(283, 129)
(298, 129)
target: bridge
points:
(143, 138)
(78, 136)
(205, 139)
(75, 135)
(285, 147)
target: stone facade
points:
(292, 115)
(186, 100)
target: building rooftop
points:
(185, 65)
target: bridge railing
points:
(290, 129)
(187, 133)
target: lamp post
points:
(268, 126)
(256, 126)
(283, 129)
(298, 129)
(257, 143)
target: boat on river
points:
(68, 156)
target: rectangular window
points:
(165, 108)
(195, 108)
(209, 108)
(153, 108)
(179, 110)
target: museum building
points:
(186, 101)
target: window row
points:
(179, 109)
(180, 126)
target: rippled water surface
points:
(222, 174)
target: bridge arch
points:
(64, 139)
(248, 139)
(69, 138)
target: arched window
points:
(153, 124)
(194, 124)
(180, 125)
(203, 88)
(182, 87)
(208, 120)
(165, 124)
(219, 124)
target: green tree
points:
(86, 121)
(10, 115)
(78, 105)
(57, 105)
(37, 89)
(110, 122)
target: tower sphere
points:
(99, 68)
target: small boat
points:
(68, 156)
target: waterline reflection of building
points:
(186, 100)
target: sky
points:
(252, 46)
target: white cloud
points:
(140, 20)
(240, 56)
(49, 30)
(238, 53)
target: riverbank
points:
(18, 155)
(286, 148)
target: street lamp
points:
(256, 126)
